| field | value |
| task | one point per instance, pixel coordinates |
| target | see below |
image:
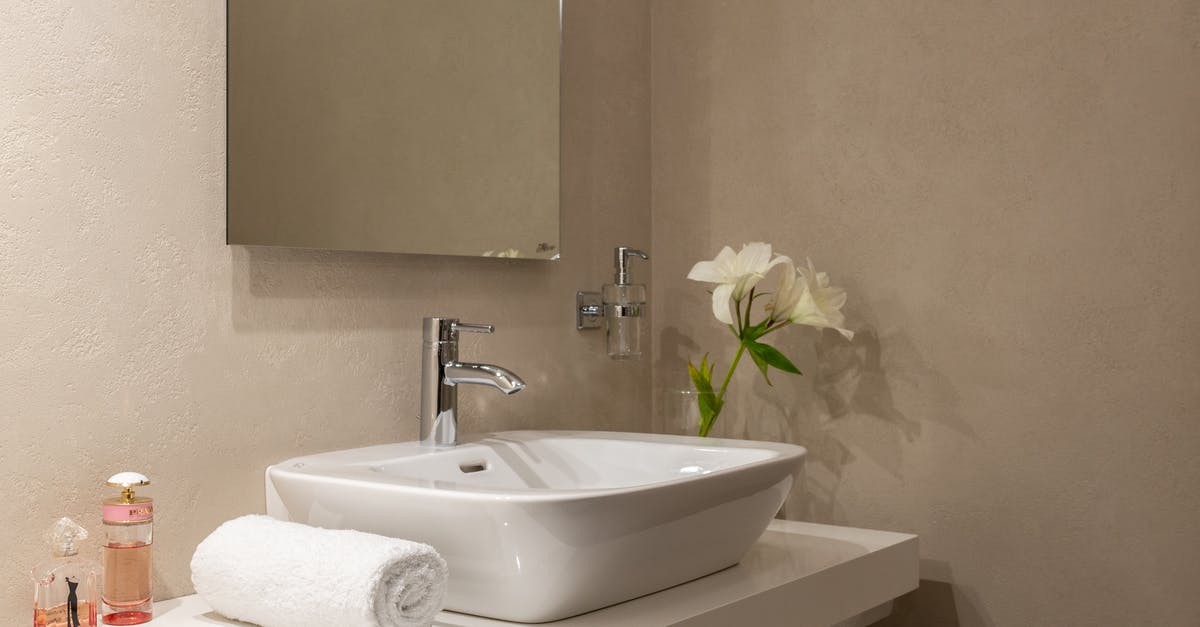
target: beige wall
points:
(1011, 193)
(131, 336)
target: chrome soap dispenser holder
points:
(618, 308)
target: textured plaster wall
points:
(1011, 194)
(132, 337)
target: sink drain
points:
(470, 467)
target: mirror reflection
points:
(415, 126)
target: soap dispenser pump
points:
(620, 304)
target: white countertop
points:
(797, 574)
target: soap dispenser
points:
(623, 303)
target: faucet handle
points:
(447, 329)
(457, 327)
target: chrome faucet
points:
(441, 372)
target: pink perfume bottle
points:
(129, 529)
(65, 586)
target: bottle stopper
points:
(63, 536)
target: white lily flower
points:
(735, 274)
(513, 253)
(810, 301)
(788, 295)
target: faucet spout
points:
(482, 374)
(442, 373)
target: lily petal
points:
(788, 294)
(820, 304)
(778, 260)
(754, 257)
(716, 270)
(721, 298)
(744, 284)
(706, 272)
(835, 297)
(726, 260)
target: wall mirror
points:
(414, 126)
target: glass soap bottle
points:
(129, 530)
(65, 586)
(623, 304)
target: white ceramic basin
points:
(542, 525)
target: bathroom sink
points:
(542, 525)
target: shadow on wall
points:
(844, 407)
(843, 381)
(930, 605)
(311, 313)
(844, 399)
(303, 290)
(674, 348)
(935, 603)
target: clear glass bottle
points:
(65, 592)
(129, 529)
(624, 304)
(623, 307)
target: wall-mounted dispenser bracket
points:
(589, 312)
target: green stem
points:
(706, 426)
(749, 306)
(737, 330)
(729, 375)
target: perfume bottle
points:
(65, 586)
(129, 530)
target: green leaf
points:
(706, 398)
(701, 377)
(762, 366)
(752, 333)
(765, 355)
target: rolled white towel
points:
(282, 574)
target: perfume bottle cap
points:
(128, 508)
(64, 536)
(128, 480)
